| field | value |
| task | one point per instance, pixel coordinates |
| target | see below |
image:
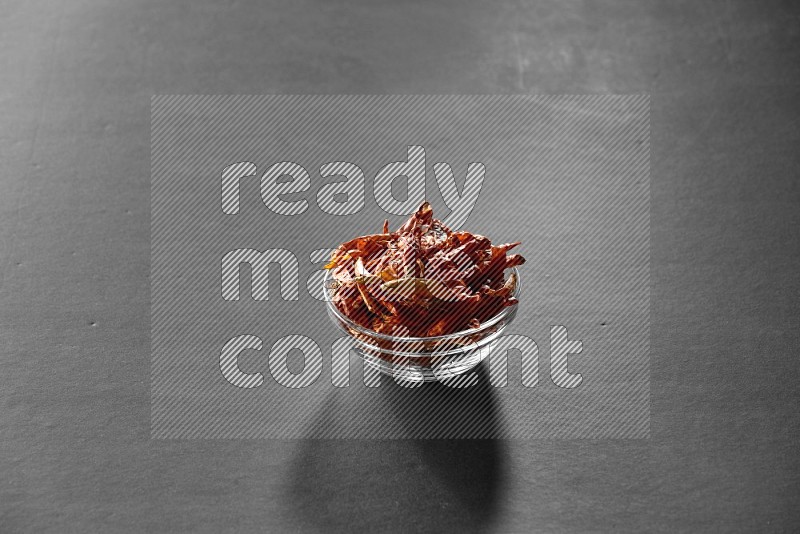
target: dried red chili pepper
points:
(423, 279)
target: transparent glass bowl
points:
(423, 359)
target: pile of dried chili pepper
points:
(423, 279)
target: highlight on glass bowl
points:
(423, 303)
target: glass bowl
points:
(423, 359)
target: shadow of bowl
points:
(438, 470)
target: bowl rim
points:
(505, 312)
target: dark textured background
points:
(77, 76)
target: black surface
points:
(77, 77)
